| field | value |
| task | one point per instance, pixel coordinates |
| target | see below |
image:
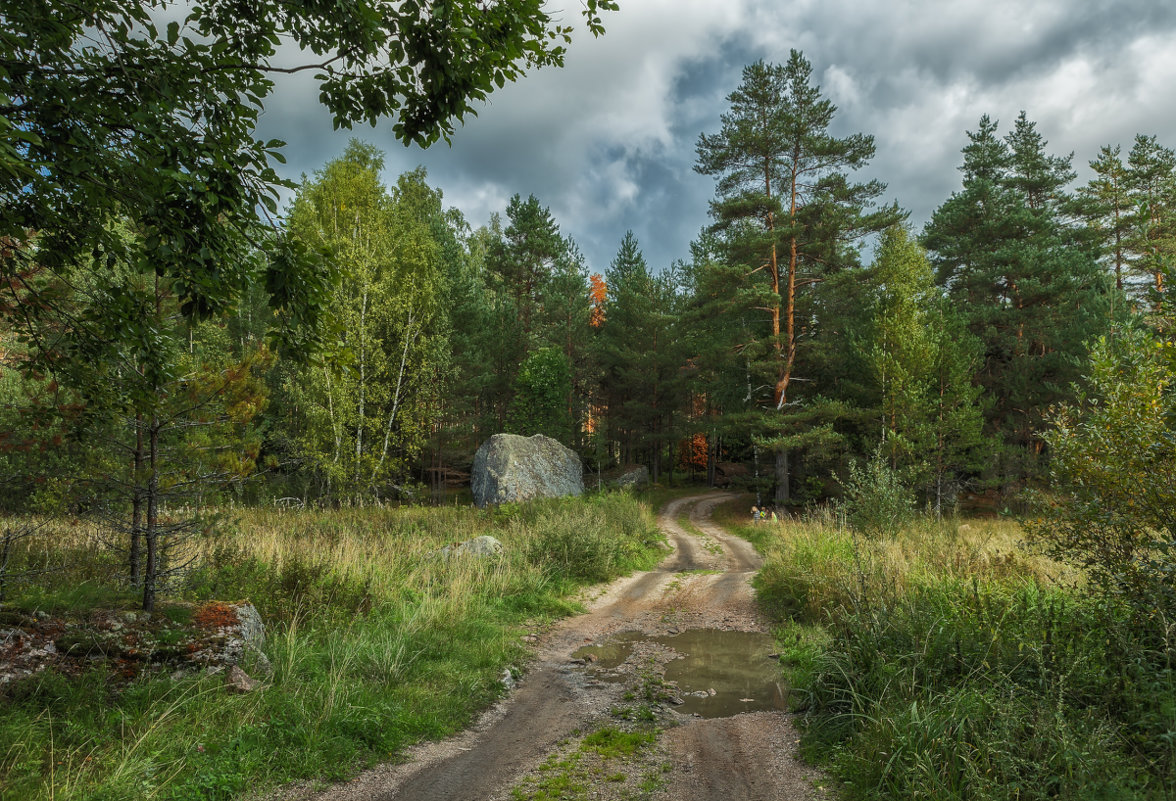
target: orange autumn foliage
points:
(598, 292)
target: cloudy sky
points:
(608, 142)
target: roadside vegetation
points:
(376, 643)
(948, 660)
(172, 344)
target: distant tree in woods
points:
(923, 362)
(361, 413)
(641, 353)
(540, 402)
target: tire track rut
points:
(703, 583)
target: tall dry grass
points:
(953, 661)
(816, 564)
(376, 642)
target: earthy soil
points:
(702, 584)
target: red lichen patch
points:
(126, 669)
(216, 615)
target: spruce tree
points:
(641, 354)
(1108, 209)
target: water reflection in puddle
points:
(722, 673)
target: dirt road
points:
(702, 584)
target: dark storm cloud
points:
(608, 141)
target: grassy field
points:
(375, 642)
(950, 662)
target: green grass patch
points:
(570, 774)
(376, 643)
(950, 662)
(610, 742)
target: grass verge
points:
(951, 662)
(376, 643)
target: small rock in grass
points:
(481, 547)
(238, 681)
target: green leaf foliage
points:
(103, 116)
(542, 393)
(1024, 276)
(355, 419)
(1113, 473)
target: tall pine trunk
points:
(783, 478)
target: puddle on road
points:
(610, 654)
(734, 664)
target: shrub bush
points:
(876, 501)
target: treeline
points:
(779, 344)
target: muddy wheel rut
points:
(704, 584)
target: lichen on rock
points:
(509, 468)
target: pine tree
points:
(787, 214)
(526, 256)
(1024, 274)
(1151, 183)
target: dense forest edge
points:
(963, 435)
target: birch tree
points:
(361, 413)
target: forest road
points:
(703, 584)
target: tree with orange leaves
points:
(598, 292)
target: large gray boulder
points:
(512, 468)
